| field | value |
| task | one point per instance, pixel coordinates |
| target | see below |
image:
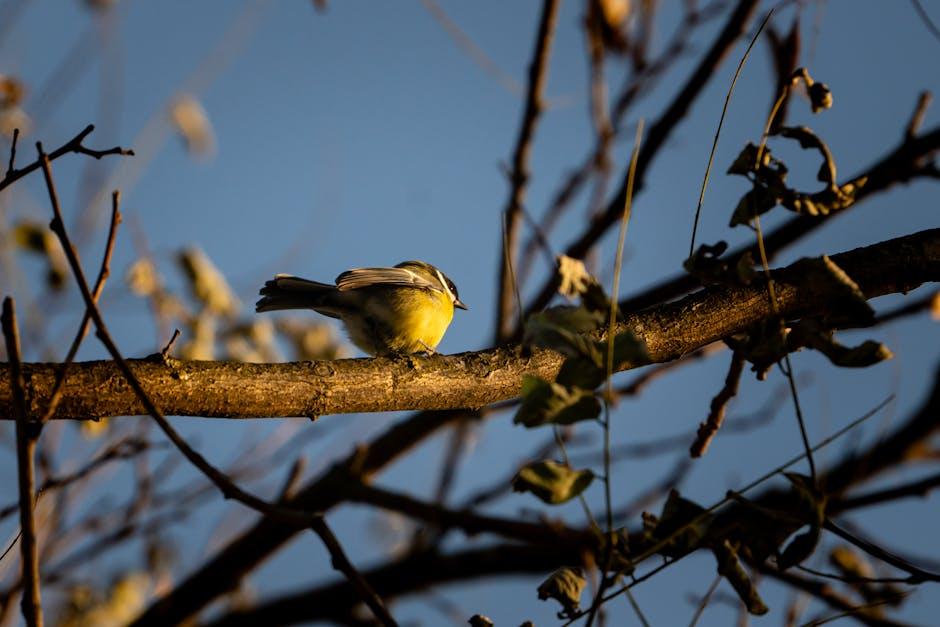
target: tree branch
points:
(73, 145)
(466, 380)
(26, 434)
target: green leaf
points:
(544, 403)
(628, 349)
(581, 372)
(551, 482)
(565, 586)
(565, 329)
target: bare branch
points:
(73, 145)
(342, 564)
(716, 414)
(26, 435)
(56, 395)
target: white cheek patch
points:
(440, 277)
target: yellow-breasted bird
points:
(386, 311)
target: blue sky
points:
(365, 136)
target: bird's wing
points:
(358, 278)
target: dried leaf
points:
(12, 92)
(678, 513)
(820, 97)
(143, 278)
(565, 586)
(574, 277)
(808, 140)
(551, 482)
(201, 346)
(758, 201)
(13, 118)
(207, 284)
(310, 339)
(37, 238)
(193, 125)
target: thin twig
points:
(917, 574)
(475, 52)
(826, 593)
(856, 610)
(16, 136)
(925, 17)
(719, 405)
(920, 112)
(538, 73)
(342, 564)
(26, 435)
(73, 145)
(721, 121)
(103, 273)
(849, 578)
(919, 488)
(636, 608)
(704, 602)
(165, 353)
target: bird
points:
(400, 310)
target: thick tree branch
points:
(466, 380)
(406, 575)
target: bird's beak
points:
(460, 305)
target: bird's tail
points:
(290, 292)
